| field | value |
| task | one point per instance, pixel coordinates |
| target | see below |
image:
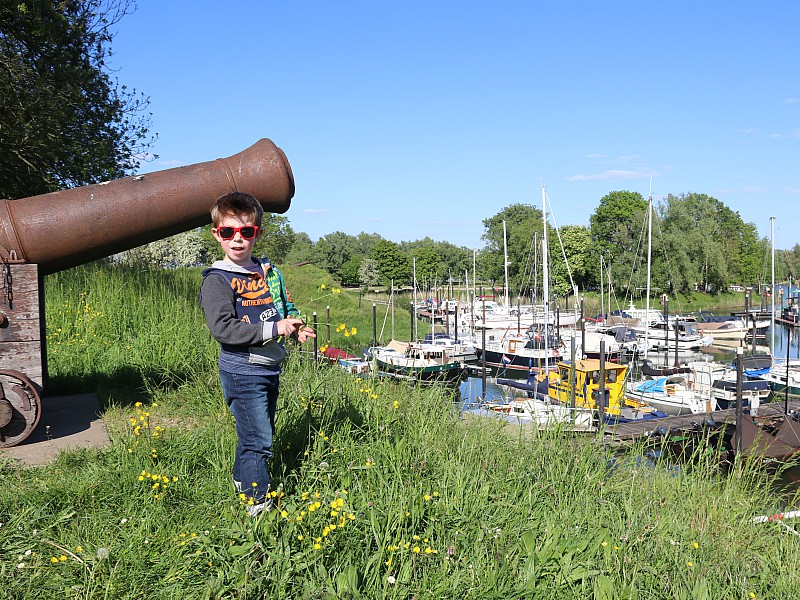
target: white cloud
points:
(791, 101)
(612, 174)
(316, 211)
(745, 189)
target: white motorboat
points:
(671, 394)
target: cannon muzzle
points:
(64, 229)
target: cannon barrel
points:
(64, 229)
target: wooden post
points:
(788, 348)
(583, 334)
(739, 411)
(483, 353)
(572, 381)
(601, 391)
(316, 346)
(328, 322)
(374, 324)
(413, 321)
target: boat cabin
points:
(587, 384)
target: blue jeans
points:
(252, 400)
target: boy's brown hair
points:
(237, 204)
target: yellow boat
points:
(618, 408)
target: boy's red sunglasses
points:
(226, 233)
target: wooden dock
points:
(625, 433)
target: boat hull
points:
(429, 373)
(517, 366)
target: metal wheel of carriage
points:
(20, 407)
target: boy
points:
(249, 312)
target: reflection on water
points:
(472, 391)
(786, 337)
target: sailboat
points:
(517, 355)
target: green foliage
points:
(575, 243)
(350, 271)
(332, 251)
(523, 241)
(712, 245)
(428, 263)
(393, 264)
(65, 122)
(187, 249)
(368, 274)
(302, 250)
(276, 241)
(615, 222)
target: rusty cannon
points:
(52, 232)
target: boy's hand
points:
(291, 327)
(304, 333)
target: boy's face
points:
(237, 249)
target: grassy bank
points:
(383, 491)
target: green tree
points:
(332, 251)
(302, 249)
(393, 264)
(368, 274)
(277, 240)
(455, 259)
(582, 262)
(615, 225)
(707, 245)
(429, 266)
(523, 223)
(64, 121)
(186, 249)
(349, 273)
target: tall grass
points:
(383, 490)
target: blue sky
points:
(420, 119)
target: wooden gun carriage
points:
(53, 232)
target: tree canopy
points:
(65, 122)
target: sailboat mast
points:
(505, 267)
(649, 245)
(602, 297)
(474, 280)
(545, 278)
(414, 308)
(772, 290)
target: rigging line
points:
(561, 243)
(612, 294)
(530, 277)
(636, 259)
(764, 266)
(666, 260)
(527, 272)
